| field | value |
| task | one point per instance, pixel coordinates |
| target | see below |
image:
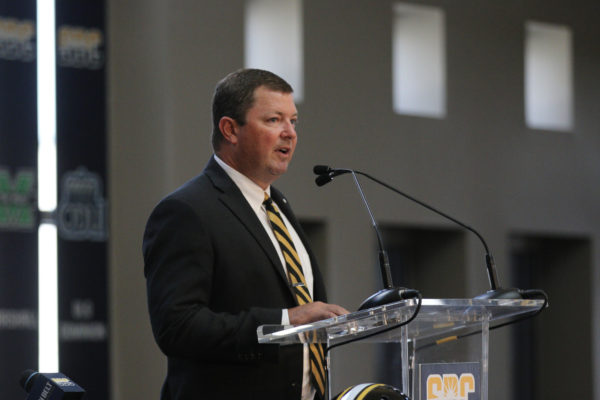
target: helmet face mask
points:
(371, 391)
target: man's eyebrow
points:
(283, 113)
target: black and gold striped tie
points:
(298, 283)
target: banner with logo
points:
(81, 215)
(18, 195)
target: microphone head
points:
(28, 377)
(50, 386)
(323, 179)
(321, 169)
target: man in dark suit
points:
(215, 269)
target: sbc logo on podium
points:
(450, 386)
(451, 381)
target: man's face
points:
(266, 142)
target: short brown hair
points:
(234, 95)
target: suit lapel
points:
(234, 200)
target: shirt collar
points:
(253, 193)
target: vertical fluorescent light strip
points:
(47, 183)
(48, 299)
(46, 81)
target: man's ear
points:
(228, 128)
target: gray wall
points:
(480, 163)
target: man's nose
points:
(289, 129)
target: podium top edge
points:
(496, 309)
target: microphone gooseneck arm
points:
(489, 259)
(389, 294)
(325, 174)
(384, 262)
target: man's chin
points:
(279, 169)
(277, 172)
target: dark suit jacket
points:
(213, 276)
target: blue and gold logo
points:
(17, 39)
(80, 47)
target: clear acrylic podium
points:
(444, 350)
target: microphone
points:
(323, 179)
(389, 294)
(326, 175)
(321, 169)
(49, 386)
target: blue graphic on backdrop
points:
(82, 209)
